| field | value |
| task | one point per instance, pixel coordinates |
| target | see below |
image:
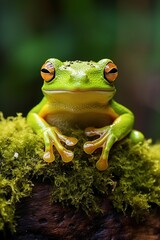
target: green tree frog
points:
(80, 94)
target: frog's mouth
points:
(79, 97)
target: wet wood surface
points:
(39, 219)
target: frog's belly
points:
(78, 120)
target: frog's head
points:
(79, 77)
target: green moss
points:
(20, 152)
(132, 181)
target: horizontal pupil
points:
(44, 70)
(113, 70)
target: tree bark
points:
(38, 218)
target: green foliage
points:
(132, 181)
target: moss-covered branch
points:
(132, 181)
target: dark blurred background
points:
(128, 32)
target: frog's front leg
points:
(52, 137)
(108, 135)
(105, 141)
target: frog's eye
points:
(110, 72)
(47, 71)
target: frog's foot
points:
(53, 137)
(136, 136)
(105, 141)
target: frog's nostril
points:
(84, 78)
